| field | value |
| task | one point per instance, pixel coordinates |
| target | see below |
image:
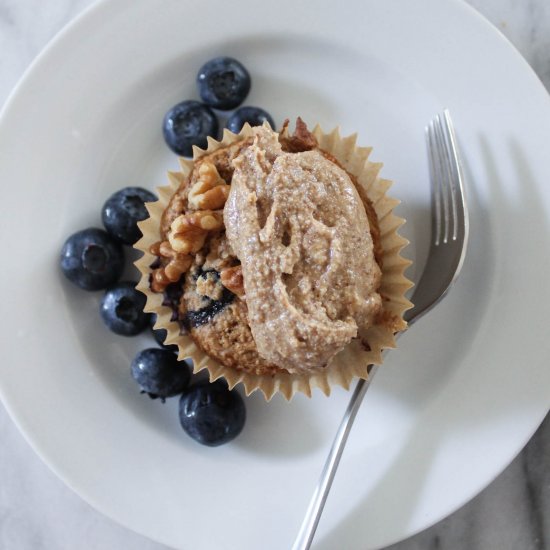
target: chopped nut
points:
(177, 267)
(187, 235)
(188, 231)
(205, 219)
(210, 191)
(155, 248)
(209, 223)
(166, 250)
(171, 272)
(159, 281)
(188, 243)
(215, 198)
(232, 279)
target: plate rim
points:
(96, 7)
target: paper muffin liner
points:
(352, 361)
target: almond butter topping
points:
(298, 226)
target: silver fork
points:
(445, 259)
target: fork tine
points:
(451, 173)
(460, 212)
(446, 178)
(448, 204)
(435, 180)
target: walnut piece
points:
(186, 237)
(232, 279)
(177, 267)
(188, 231)
(173, 270)
(159, 281)
(210, 191)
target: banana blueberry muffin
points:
(270, 255)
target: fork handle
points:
(315, 509)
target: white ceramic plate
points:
(467, 386)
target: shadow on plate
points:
(428, 354)
(411, 467)
(280, 429)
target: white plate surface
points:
(467, 386)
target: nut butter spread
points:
(300, 230)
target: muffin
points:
(273, 260)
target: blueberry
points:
(212, 414)
(223, 83)
(92, 259)
(122, 309)
(123, 210)
(159, 373)
(199, 317)
(253, 115)
(189, 123)
(172, 295)
(160, 335)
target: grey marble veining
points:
(37, 512)
(526, 23)
(26, 26)
(513, 513)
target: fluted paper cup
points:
(351, 362)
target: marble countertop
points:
(38, 512)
